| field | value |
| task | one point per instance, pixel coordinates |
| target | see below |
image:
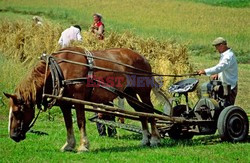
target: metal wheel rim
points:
(235, 125)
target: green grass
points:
(227, 3)
(123, 148)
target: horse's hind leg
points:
(144, 94)
(81, 122)
(144, 121)
(71, 142)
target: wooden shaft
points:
(113, 113)
(111, 108)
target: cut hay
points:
(25, 42)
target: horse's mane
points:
(28, 87)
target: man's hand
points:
(201, 72)
(214, 77)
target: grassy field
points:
(228, 3)
(123, 148)
(193, 23)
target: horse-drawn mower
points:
(209, 114)
(177, 120)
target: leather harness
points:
(58, 80)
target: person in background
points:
(226, 70)
(101, 128)
(97, 27)
(37, 20)
(70, 34)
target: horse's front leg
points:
(81, 121)
(145, 132)
(70, 142)
(155, 136)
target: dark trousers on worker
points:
(102, 128)
(230, 100)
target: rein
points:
(33, 123)
(34, 120)
(101, 58)
(146, 73)
(124, 72)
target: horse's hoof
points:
(82, 149)
(154, 142)
(145, 143)
(67, 148)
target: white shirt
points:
(226, 69)
(39, 23)
(68, 35)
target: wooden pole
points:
(113, 113)
(111, 108)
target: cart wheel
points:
(176, 130)
(233, 124)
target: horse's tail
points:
(161, 96)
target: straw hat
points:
(98, 15)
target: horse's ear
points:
(10, 96)
(13, 97)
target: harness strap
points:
(103, 59)
(124, 72)
(128, 97)
(57, 78)
(75, 81)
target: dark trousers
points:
(102, 128)
(230, 100)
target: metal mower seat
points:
(184, 86)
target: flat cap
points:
(218, 41)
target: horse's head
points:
(21, 115)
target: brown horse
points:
(28, 94)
